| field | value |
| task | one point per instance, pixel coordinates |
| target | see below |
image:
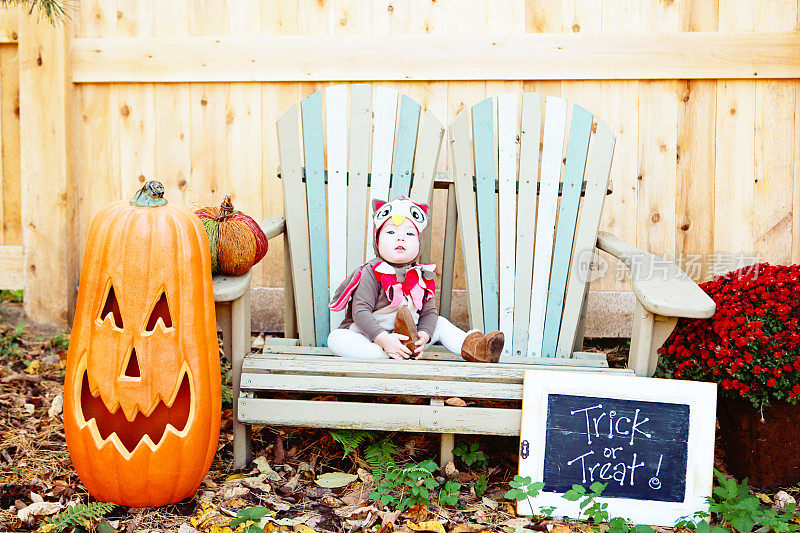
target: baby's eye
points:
(410, 233)
(390, 231)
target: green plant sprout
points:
(250, 516)
(470, 455)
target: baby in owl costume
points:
(391, 311)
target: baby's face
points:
(398, 244)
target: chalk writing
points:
(638, 447)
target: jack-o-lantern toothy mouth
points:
(132, 433)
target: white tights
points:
(353, 343)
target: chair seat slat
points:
(380, 417)
(382, 386)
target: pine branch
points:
(54, 11)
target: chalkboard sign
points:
(650, 440)
(638, 448)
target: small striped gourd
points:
(237, 241)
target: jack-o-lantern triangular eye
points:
(111, 307)
(161, 310)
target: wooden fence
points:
(703, 95)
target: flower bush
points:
(751, 346)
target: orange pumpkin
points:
(142, 394)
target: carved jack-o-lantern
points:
(142, 396)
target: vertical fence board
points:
(43, 153)
(11, 218)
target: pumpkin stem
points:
(226, 209)
(151, 195)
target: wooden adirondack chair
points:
(403, 160)
(537, 295)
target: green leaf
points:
(253, 529)
(253, 513)
(641, 528)
(743, 524)
(598, 487)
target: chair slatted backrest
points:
(377, 144)
(504, 155)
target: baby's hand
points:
(392, 344)
(420, 344)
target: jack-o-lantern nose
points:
(132, 368)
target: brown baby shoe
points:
(480, 348)
(404, 325)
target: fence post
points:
(43, 66)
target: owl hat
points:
(415, 281)
(399, 209)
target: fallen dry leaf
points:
(469, 528)
(335, 480)
(456, 402)
(39, 509)
(56, 406)
(291, 485)
(417, 513)
(332, 502)
(450, 470)
(561, 529)
(263, 467)
(430, 525)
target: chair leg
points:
(446, 455)
(224, 319)
(649, 333)
(240, 341)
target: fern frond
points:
(79, 514)
(351, 439)
(380, 458)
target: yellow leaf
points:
(302, 528)
(763, 497)
(235, 477)
(430, 525)
(469, 528)
(33, 368)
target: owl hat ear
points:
(376, 204)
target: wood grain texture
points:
(530, 138)
(10, 210)
(43, 149)
(552, 152)
(314, 158)
(577, 150)
(12, 267)
(485, 154)
(698, 55)
(357, 201)
(507, 143)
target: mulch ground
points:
(37, 477)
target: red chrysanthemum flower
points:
(751, 346)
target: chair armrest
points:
(660, 285)
(273, 226)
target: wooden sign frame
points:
(701, 399)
